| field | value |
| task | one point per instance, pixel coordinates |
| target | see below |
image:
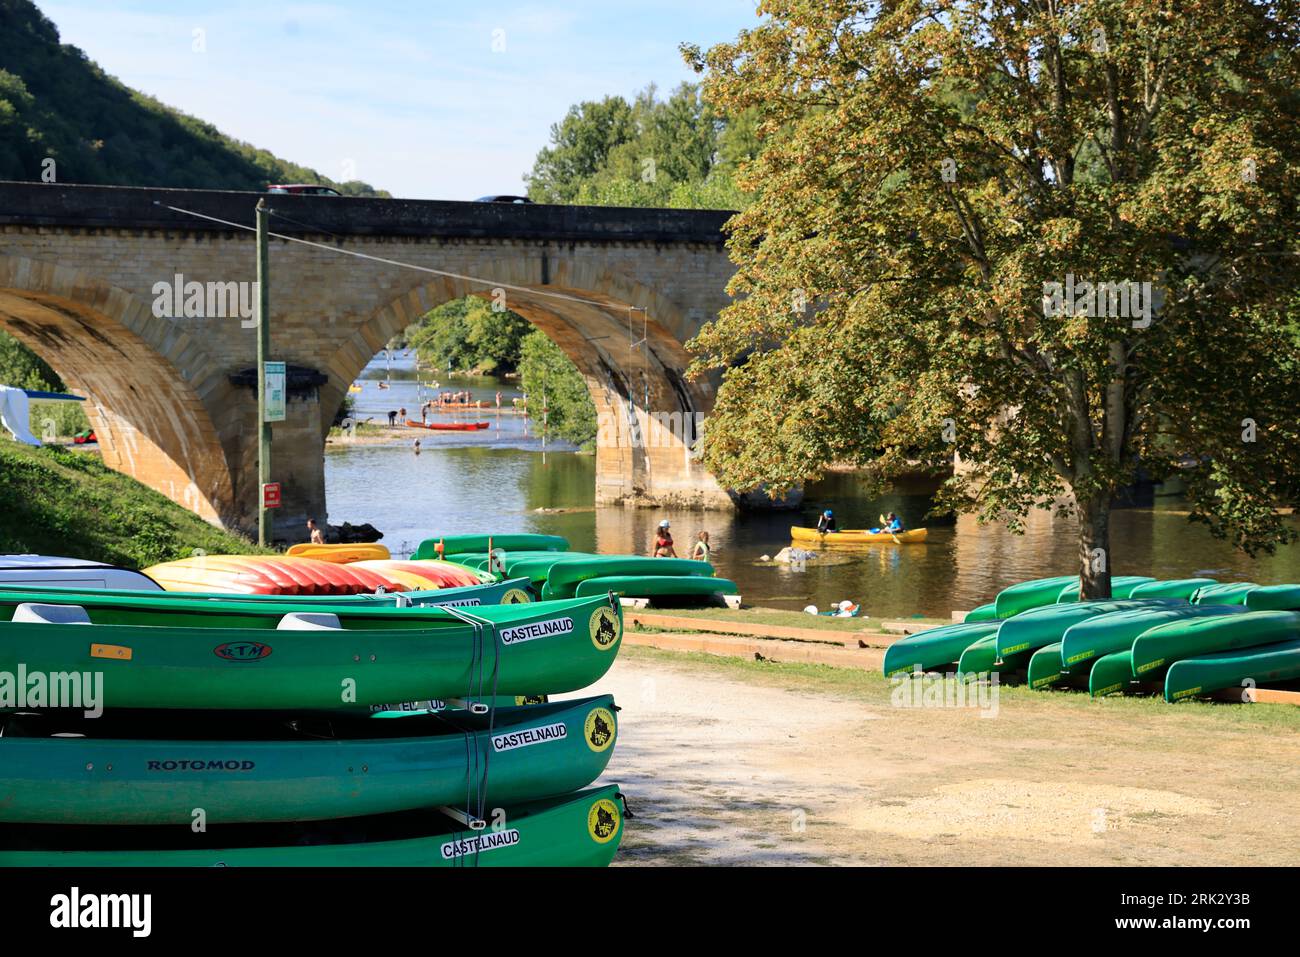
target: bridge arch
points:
(647, 411)
(104, 342)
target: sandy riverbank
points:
(734, 762)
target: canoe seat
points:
(309, 621)
(35, 613)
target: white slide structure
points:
(14, 415)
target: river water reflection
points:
(500, 480)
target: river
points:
(502, 480)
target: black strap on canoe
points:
(476, 782)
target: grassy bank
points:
(876, 690)
(55, 501)
(784, 618)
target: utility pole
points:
(263, 349)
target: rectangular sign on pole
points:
(271, 495)
(275, 390)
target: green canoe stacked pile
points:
(289, 732)
(554, 572)
(1189, 637)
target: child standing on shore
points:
(701, 550)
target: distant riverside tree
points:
(553, 383)
(674, 152)
(943, 189)
(466, 335)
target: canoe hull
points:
(398, 764)
(1161, 646)
(1089, 640)
(849, 537)
(1111, 674)
(934, 647)
(233, 656)
(1030, 630)
(460, 544)
(580, 830)
(1243, 668)
(657, 586)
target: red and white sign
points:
(271, 495)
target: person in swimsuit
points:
(664, 542)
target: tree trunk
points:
(1094, 547)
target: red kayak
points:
(448, 426)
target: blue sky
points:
(409, 96)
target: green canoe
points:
(1175, 588)
(1089, 640)
(1031, 594)
(1110, 674)
(179, 654)
(562, 578)
(513, 561)
(1267, 664)
(577, 830)
(1045, 667)
(987, 612)
(1032, 629)
(458, 544)
(1121, 586)
(982, 658)
(1274, 598)
(657, 586)
(133, 768)
(1165, 644)
(935, 647)
(513, 591)
(1224, 593)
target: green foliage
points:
(23, 369)
(62, 420)
(557, 392)
(57, 501)
(927, 168)
(666, 153)
(466, 335)
(56, 103)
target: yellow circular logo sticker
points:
(602, 821)
(515, 596)
(599, 729)
(604, 627)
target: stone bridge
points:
(80, 275)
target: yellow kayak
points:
(340, 554)
(850, 536)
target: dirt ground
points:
(735, 762)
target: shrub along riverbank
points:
(55, 501)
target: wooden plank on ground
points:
(1257, 696)
(789, 652)
(851, 639)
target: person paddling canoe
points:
(826, 522)
(890, 525)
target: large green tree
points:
(942, 183)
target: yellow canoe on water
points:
(911, 536)
(340, 554)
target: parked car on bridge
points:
(503, 199)
(304, 189)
